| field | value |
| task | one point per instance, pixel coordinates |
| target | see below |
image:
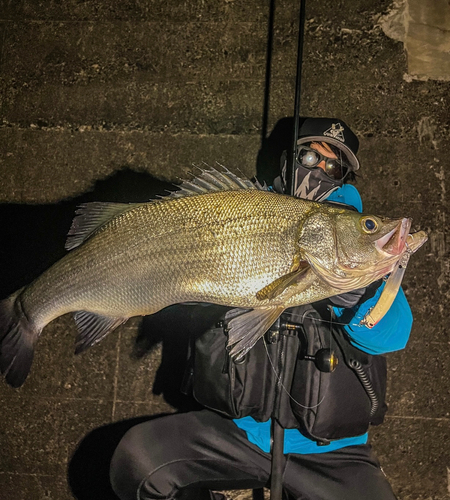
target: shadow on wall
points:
(34, 235)
(88, 472)
(268, 161)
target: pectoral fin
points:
(245, 329)
(278, 286)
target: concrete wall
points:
(99, 96)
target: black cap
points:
(334, 132)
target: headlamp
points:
(310, 158)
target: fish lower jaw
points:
(348, 279)
(394, 251)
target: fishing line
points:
(319, 320)
(280, 383)
(278, 376)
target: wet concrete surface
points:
(424, 28)
(110, 100)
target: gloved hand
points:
(351, 299)
(348, 299)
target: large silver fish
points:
(219, 240)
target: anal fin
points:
(92, 328)
(246, 329)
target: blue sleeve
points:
(347, 194)
(391, 333)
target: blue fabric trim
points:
(347, 194)
(390, 334)
(258, 433)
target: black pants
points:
(183, 453)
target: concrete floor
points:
(104, 100)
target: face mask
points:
(310, 183)
(313, 183)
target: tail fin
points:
(18, 337)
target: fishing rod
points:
(277, 466)
(292, 153)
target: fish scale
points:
(225, 241)
(217, 240)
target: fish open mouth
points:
(394, 242)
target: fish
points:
(218, 239)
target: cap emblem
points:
(336, 131)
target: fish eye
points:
(369, 225)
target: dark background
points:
(111, 100)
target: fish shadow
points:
(34, 235)
(34, 238)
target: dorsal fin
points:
(89, 217)
(209, 181)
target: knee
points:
(140, 464)
(129, 465)
(153, 458)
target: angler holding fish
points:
(221, 240)
(272, 253)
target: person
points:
(227, 444)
